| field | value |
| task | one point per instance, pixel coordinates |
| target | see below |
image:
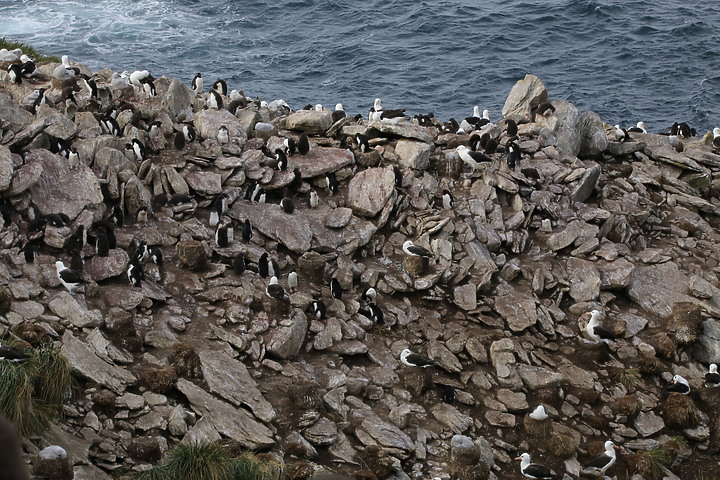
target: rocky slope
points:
(199, 352)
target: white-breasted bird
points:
(599, 464)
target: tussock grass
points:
(28, 50)
(33, 391)
(209, 461)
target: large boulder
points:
(370, 190)
(525, 94)
(208, 122)
(593, 140)
(413, 154)
(309, 121)
(178, 100)
(564, 124)
(6, 168)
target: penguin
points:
(338, 113)
(238, 264)
(259, 195)
(110, 126)
(264, 265)
(223, 135)
(314, 199)
(287, 205)
(297, 180)
(282, 161)
(189, 133)
(398, 177)
(153, 130)
(154, 254)
(141, 216)
(102, 245)
(376, 314)
(332, 183)
(224, 235)
(250, 190)
(197, 83)
(513, 153)
(214, 100)
(545, 109)
(116, 217)
(246, 231)
(149, 88)
(336, 290)
(179, 141)
(290, 146)
(447, 200)
(27, 67)
(30, 250)
(368, 296)
(511, 128)
(76, 261)
(318, 309)
(292, 281)
(15, 73)
(490, 145)
(139, 254)
(73, 158)
(77, 240)
(363, 143)
(89, 85)
(105, 228)
(139, 150)
(303, 144)
(621, 135)
(220, 86)
(275, 290)
(39, 100)
(135, 274)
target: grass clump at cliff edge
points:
(28, 50)
(209, 461)
(33, 391)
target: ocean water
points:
(627, 60)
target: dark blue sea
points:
(627, 60)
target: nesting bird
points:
(539, 413)
(472, 158)
(599, 464)
(223, 135)
(292, 281)
(336, 290)
(318, 309)
(70, 279)
(415, 250)
(534, 470)
(596, 332)
(621, 135)
(410, 359)
(275, 290)
(679, 385)
(712, 378)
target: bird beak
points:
(518, 458)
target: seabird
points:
(545, 109)
(716, 138)
(416, 251)
(139, 254)
(73, 158)
(318, 309)
(153, 130)
(246, 231)
(179, 141)
(137, 77)
(282, 160)
(197, 83)
(376, 314)
(297, 180)
(471, 158)
(712, 378)
(338, 113)
(639, 128)
(336, 290)
(596, 332)
(155, 254)
(534, 470)
(398, 176)
(314, 199)
(220, 86)
(224, 235)
(513, 155)
(149, 88)
(214, 100)
(539, 413)
(264, 265)
(238, 263)
(491, 144)
(621, 135)
(77, 240)
(89, 85)
(13, 354)
(250, 190)
(303, 145)
(599, 464)
(407, 357)
(275, 290)
(15, 73)
(292, 281)
(290, 146)
(189, 133)
(682, 129)
(69, 278)
(102, 245)
(369, 296)
(447, 199)
(679, 385)
(511, 128)
(363, 142)
(260, 195)
(223, 135)
(332, 183)
(142, 214)
(30, 250)
(287, 205)
(139, 150)
(135, 274)
(110, 126)
(447, 393)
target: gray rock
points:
(293, 231)
(86, 363)
(370, 190)
(137, 196)
(451, 417)
(403, 130)
(586, 184)
(465, 296)
(564, 125)
(192, 253)
(648, 424)
(285, 341)
(60, 189)
(207, 123)
(584, 279)
(707, 347)
(204, 183)
(12, 117)
(339, 217)
(6, 168)
(624, 149)
(575, 232)
(60, 125)
(236, 423)
(309, 121)
(320, 161)
(25, 177)
(102, 268)
(374, 431)
(516, 306)
(413, 154)
(616, 274)
(593, 141)
(656, 288)
(110, 158)
(322, 433)
(178, 100)
(535, 378)
(176, 181)
(525, 94)
(230, 379)
(463, 450)
(502, 356)
(66, 307)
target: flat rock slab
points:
(319, 161)
(236, 423)
(517, 307)
(403, 130)
(230, 379)
(102, 268)
(293, 231)
(370, 190)
(85, 361)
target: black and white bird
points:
(238, 263)
(712, 378)
(638, 128)
(246, 231)
(265, 266)
(407, 357)
(223, 135)
(73, 158)
(534, 470)
(716, 138)
(368, 296)
(544, 108)
(292, 281)
(30, 249)
(219, 208)
(155, 254)
(224, 235)
(415, 250)
(472, 158)
(621, 135)
(70, 279)
(363, 142)
(135, 274)
(447, 200)
(153, 129)
(599, 464)
(338, 113)
(220, 86)
(77, 240)
(539, 413)
(197, 83)
(275, 290)
(317, 307)
(336, 290)
(139, 149)
(15, 73)
(332, 183)
(679, 385)
(513, 154)
(214, 100)
(11, 353)
(303, 145)
(314, 199)
(290, 146)
(511, 128)
(110, 126)
(376, 314)
(596, 332)
(282, 160)
(189, 133)
(102, 245)
(287, 205)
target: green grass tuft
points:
(28, 50)
(33, 391)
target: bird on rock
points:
(599, 464)
(407, 357)
(596, 332)
(534, 470)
